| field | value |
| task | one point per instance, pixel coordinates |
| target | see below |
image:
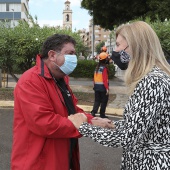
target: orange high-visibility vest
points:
(98, 79)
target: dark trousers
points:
(101, 100)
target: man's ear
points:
(51, 55)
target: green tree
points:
(6, 51)
(20, 45)
(98, 47)
(109, 13)
(162, 29)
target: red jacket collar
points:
(42, 68)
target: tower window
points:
(67, 18)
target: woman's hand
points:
(77, 119)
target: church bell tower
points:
(67, 16)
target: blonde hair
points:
(145, 52)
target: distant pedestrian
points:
(103, 49)
(101, 85)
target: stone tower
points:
(67, 16)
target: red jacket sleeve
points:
(105, 78)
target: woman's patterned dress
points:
(144, 133)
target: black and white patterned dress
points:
(144, 133)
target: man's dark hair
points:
(56, 43)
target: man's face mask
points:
(121, 59)
(69, 65)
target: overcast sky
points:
(50, 12)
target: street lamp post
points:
(13, 17)
(93, 37)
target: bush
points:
(111, 71)
(85, 69)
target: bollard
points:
(3, 84)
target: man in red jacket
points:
(43, 136)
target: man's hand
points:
(107, 92)
(105, 123)
(77, 119)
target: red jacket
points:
(41, 130)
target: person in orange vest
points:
(101, 85)
(104, 49)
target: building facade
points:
(98, 35)
(84, 36)
(110, 43)
(14, 10)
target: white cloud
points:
(75, 2)
(76, 24)
(41, 2)
(50, 23)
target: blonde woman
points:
(144, 132)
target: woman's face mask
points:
(69, 65)
(121, 59)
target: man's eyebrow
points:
(70, 51)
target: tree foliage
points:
(98, 47)
(162, 29)
(20, 45)
(109, 13)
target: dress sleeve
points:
(119, 124)
(145, 106)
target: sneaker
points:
(103, 116)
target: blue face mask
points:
(69, 65)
